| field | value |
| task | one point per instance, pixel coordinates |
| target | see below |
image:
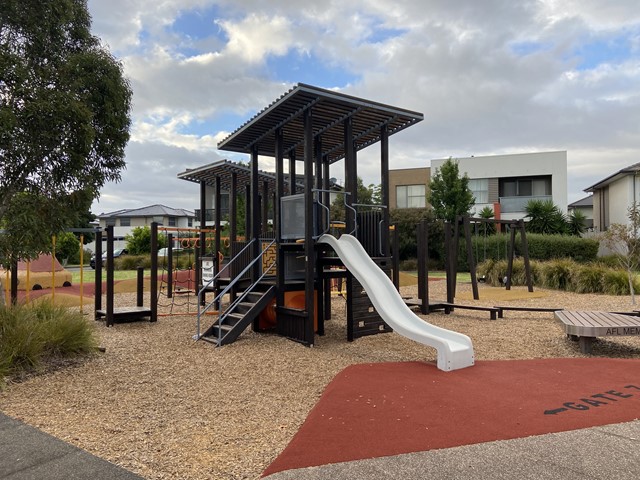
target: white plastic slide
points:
(455, 350)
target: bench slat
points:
(598, 324)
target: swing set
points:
(452, 247)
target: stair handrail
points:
(239, 299)
(328, 210)
(209, 282)
(202, 311)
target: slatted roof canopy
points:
(224, 169)
(330, 109)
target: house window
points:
(480, 189)
(190, 222)
(411, 196)
(125, 222)
(172, 221)
(110, 222)
(525, 187)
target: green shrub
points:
(63, 332)
(21, 344)
(616, 282)
(32, 333)
(611, 261)
(557, 273)
(588, 279)
(409, 265)
(541, 247)
(131, 262)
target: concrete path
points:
(26, 453)
(609, 452)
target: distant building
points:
(584, 205)
(505, 181)
(124, 221)
(509, 182)
(613, 196)
(408, 187)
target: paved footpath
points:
(609, 452)
(26, 453)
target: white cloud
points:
(490, 77)
(256, 36)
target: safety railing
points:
(218, 298)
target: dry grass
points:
(165, 407)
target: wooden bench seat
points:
(586, 326)
(525, 309)
(449, 307)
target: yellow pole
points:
(81, 272)
(53, 269)
(28, 285)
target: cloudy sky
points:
(490, 76)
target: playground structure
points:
(111, 313)
(299, 259)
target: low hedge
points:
(541, 247)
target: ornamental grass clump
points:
(588, 279)
(32, 335)
(557, 273)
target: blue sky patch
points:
(199, 24)
(610, 50)
(296, 66)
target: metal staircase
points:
(234, 317)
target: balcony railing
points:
(211, 214)
(518, 204)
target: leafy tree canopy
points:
(64, 121)
(139, 241)
(449, 193)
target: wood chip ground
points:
(166, 407)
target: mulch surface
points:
(380, 409)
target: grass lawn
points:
(89, 275)
(461, 277)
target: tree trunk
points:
(633, 293)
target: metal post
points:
(153, 291)
(110, 289)
(525, 255)
(470, 259)
(98, 273)
(169, 260)
(308, 227)
(292, 172)
(140, 287)
(384, 183)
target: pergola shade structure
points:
(330, 111)
(224, 169)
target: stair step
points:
(231, 319)
(243, 307)
(224, 327)
(213, 340)
(253, 297)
